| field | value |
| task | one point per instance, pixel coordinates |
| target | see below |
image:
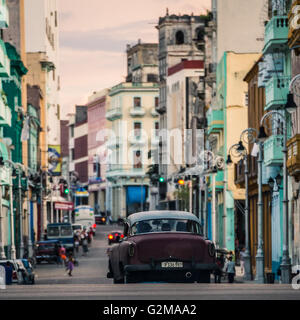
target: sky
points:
(93, 38)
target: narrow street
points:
(90, 283)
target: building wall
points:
(237, 112)
(240, 26)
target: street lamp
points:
(2, 252)
(19, 171)
(286, 261)
(239, 151)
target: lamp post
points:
(12, 223)
(2, 252)
(19, 170)
(286, 261)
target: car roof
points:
(58, 224)
(162, 214)
(48, 241)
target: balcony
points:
(137, 112)
(5, 113)
(276, 34)
(215, 121)
(113, 114)
(276, 92)
(4, 15)
(273, 155)
(137, 140)
(4, 61)
(293, 156)
(113, 143)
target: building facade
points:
(97, 106)
(134, 121)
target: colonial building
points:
(293, 144)
(97, 105)
(134, 121)
(180, 38)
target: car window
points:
(66, 231)
(166, 225)
(53, 231)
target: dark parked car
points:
(162, 246)
(115, 236)
(46, 251)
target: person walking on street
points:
(62, 254)
(242, 260)
(84, 246)
(76, 242)
(230, 269)
(8, 273)
(218, 272)
(70, 265)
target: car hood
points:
(165, 246)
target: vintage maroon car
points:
(162, 246)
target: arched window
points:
(199, 34)
(179, 37)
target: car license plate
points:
(172, 264)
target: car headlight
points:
(211, 249)
(131, 250)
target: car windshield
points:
(166, 225)
(76, 227)
(53, 231)
(49, 246)
(66, 231)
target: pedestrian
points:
(242, 260)
(230, 269)
(62, 254)
(76, 242)
(90, 235)
(84, 246)
(70, 265)
(8, 273)
(218, 271)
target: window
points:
(136, 102)
(156, 126)
(53, 232)
(166, 225)
(156, 102)
(66, 231)
(72, 131)
(179, 37)
(137, 126)
(72, 154)
(137, 159)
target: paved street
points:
(90, 282)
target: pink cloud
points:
(89, 69)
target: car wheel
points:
(204, 277)
(119, 281)
(130, 278)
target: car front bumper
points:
(157, 267)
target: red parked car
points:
(115, 236)
(162, 246)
